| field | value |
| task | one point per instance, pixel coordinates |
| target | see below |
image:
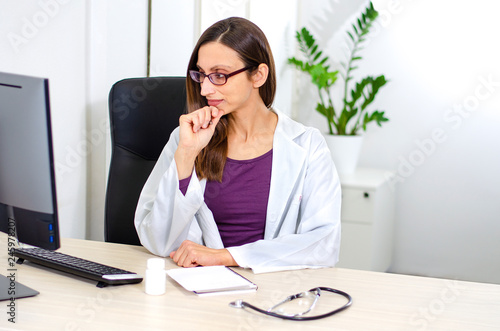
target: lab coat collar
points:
(288, 127)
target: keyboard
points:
(103, 274)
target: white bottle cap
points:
(156, 263)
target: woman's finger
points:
(207, 117)
(216, 116)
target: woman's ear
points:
(260, 76)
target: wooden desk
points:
(381, 301)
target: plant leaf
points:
(316, 57)
(313, 50)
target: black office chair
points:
(143, 113)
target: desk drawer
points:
(358, 205)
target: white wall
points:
(174, 31)
(116, 49)
(448, 190)
(443, 137)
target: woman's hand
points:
(196, 130)
(198, 127)
(190, 254)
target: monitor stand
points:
(11, 290)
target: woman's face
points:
(238, 90)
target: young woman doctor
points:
(239, 183)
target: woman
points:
(239, 183)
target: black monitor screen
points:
(28, 204)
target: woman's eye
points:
(217, 75)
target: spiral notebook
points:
(211, 280)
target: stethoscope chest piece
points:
(236, 304)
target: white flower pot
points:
(345, 151)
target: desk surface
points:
(380, 300)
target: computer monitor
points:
(28, 202)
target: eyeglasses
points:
(215, 78)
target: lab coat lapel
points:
(288, 163)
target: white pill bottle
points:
(156, 277)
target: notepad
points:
(211, 280)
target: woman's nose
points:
(207, 87)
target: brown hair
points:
(248, 40)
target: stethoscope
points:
(299, 316)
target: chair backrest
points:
(143, 113)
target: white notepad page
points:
(213, 279)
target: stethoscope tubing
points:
(305, 318)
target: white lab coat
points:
(303, 213)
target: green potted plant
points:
(349, 116)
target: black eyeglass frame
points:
(192, 74)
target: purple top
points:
(239, 202)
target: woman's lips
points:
(214, 103)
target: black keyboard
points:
(103, 274)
